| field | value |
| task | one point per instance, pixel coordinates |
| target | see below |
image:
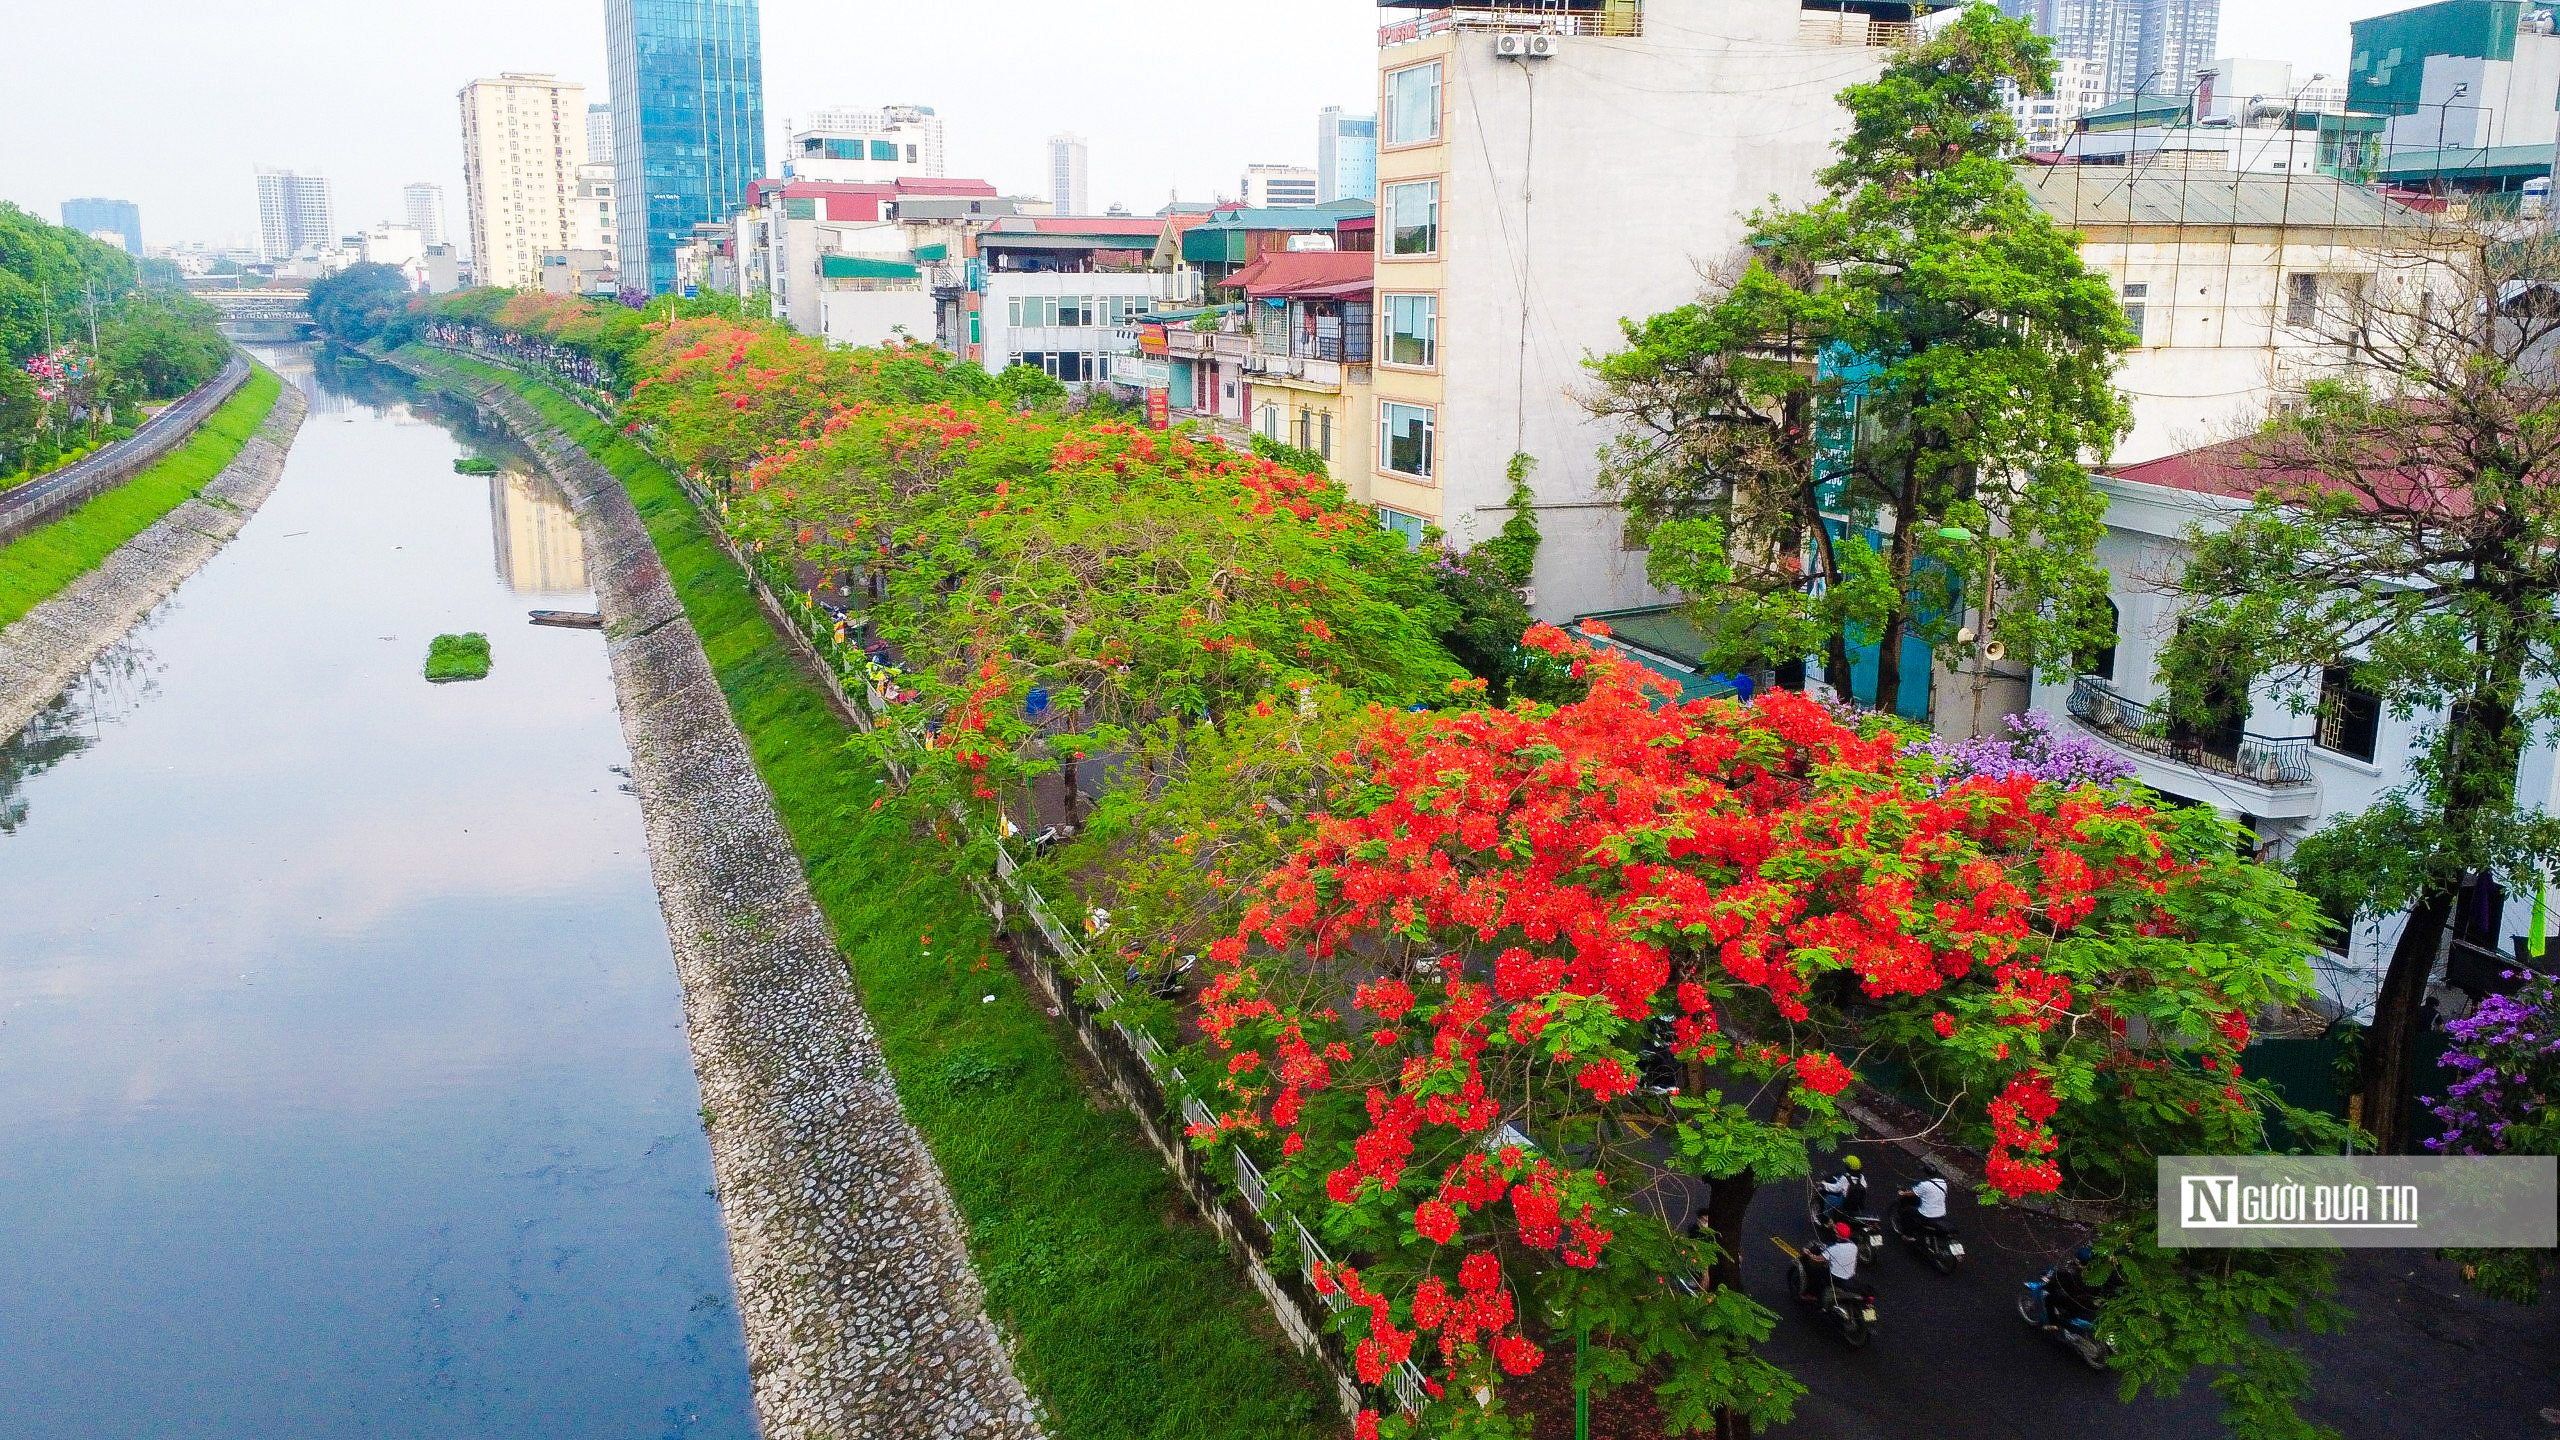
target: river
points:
(344, 1088)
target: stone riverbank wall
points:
(45, 649)
(863, 1315)
(1226, 1191)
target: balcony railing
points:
(1616, 18)
(2258, 759)
(1852, 27)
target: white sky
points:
(169, 103)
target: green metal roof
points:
(859, 267)
(933, 252)
(1665, 640)
(2495, 162)
(2088, 196)
(2146, 112)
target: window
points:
(1413, 104)
(1266, 422)
(884, 150)
(1324, 434)
(2301, 300)
(2102, 662)
(1398, 523)
(2136, 302)
(911, 154)
(801, 208)
(1306, 438)
(1413, 217)
(1413, 330)
(2350, 715)
(1404, 439)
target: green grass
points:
(36, 565)
(458, 657)
(1129, 1319)
(475, 465)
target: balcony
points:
(1853, 28)
(2264, 775)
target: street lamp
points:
(2444, 108)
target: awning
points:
(859, 267)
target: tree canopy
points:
(1888, 398)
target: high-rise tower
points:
(688, 123)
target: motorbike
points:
(1866, 1229)
(2080, 1333)
(1937, 1243)
(1850, 1314)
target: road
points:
(176, 418)
(1952, 1361)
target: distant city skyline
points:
(374, 128)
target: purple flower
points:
(2034, 748)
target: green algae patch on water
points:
(458, 657)
(475, 465)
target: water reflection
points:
(343, 1080)
(535, 535)
(116, 682)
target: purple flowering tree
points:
(2506, 1102)
(2034, 746)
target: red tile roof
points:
(2240, 469)
(1308, 274)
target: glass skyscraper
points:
(91, 214)
(688, 123)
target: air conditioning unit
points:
(1542, 47)
(1524, 47)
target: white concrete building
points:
(1526, 204)
(594, 229)
(1280, 186)
(1067, 187)
(844, 261)
(293, 213)
(2224, 276)
(1068, 323)
(2283, 759)
(524, 136)
(402, 247)
(422, 205)
(2079, 87)
(865, 146)
(599, 134)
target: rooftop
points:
(2088, 196)
(1308, 274)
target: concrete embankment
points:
(862, 1312)
(46, 648)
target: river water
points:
(343, 1079)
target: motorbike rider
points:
(1844, 1194)
(2069, 1295)
(1926, 1199)
(1840, 1261)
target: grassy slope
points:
(1128, 1319)
(41, 562)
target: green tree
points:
(360, 302)
(2405, 532)
(1890, 399)
(166, 344)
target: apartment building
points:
(524, 137)
(1277, 186)
(1544, 171)
(866, 146)
(1068, 191)
(1065, 295)
(422, 205)
(844, 264)
(1346, 155)
(293, 213)
(1307, 366)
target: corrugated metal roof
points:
(2478, 161)
(2098, 195)
(864, 267)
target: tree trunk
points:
(1728, 1201)
(1889, 666)
(2399, 1022)
(1067, 796)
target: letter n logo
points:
(2205, 1201)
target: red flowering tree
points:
(1431, 1022)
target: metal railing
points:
(2273, 761)
(1616, 19)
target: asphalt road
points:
(180, 416)
(1951, 1360)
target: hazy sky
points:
(169, 103)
